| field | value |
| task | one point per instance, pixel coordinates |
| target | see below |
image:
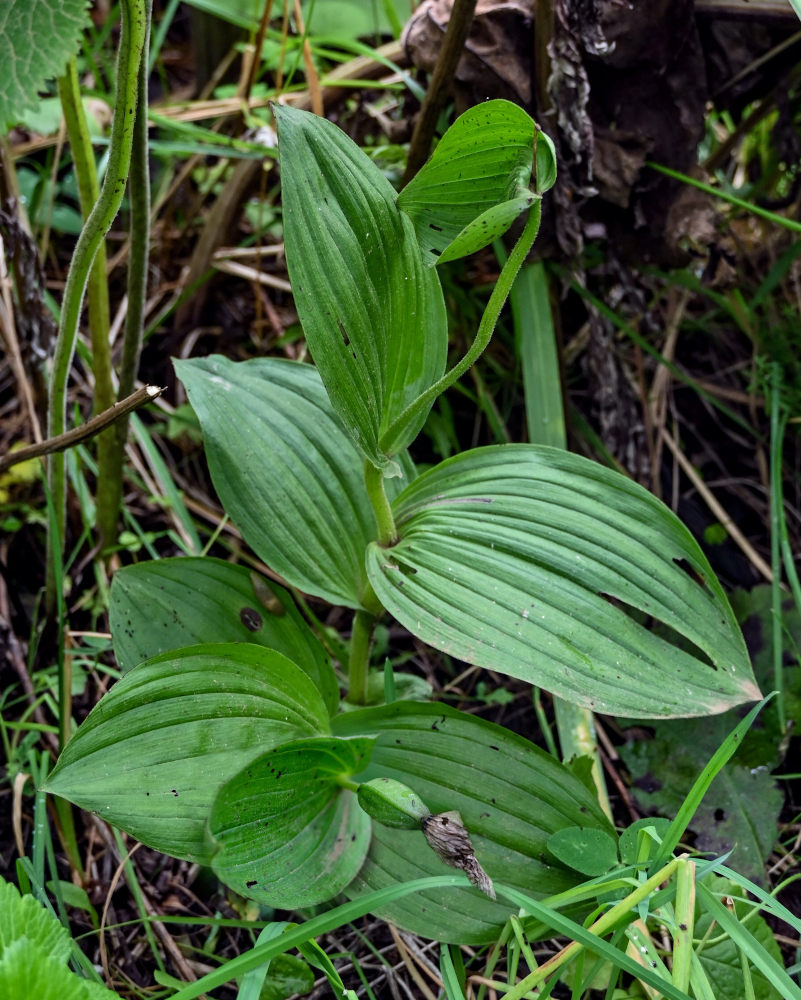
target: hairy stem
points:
(374, 481)
(359, 658)
(485, 330)
(110, 461)
(89, 191)
(132, 42)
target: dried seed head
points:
(448, 838)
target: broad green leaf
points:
(285, 471)
(373, 315)
(484, 160)
(288, 834)
(541, 564)
(167, 604)
(39, 37)
(153, 753)
(511, 795)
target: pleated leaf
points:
(285, 471)
(167, 604)
(152, 754)
(288, 835)
(542, 565)
(511, 795)
(373, 315)
(476, 183)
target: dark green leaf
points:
(153, 752)
(511, 795)
(373, 315)
(167, 604)
(288, 834)
(484, 160)
(285, 471)
(539, 564)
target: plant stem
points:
(89, 191)
(359, 658)
(110, 458)
(485, 330)
(685, 919)
(132, 42)
(376, 491)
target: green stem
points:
(110, 460)
(359, 658)
(132, 41)
(376, 491)
(417, 407)
(685, 920)
(89, 191)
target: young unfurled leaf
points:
(476, 183)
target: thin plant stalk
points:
(485, 330)
(110, 459)
(359, 657)
(89, 192)
(685, 920)
(374, 481)
(132, 41)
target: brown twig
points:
(97, 423)
(452, 45)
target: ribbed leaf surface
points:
(512, 796)
(482, 161)
(542, 565)
(285, 471)
(167, 604)
(288, 835)
(153, 753)
(373, 315)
